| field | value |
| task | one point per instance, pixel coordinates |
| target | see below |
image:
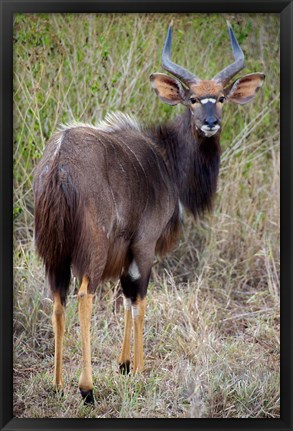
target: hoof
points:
(88, 397)
(124, 367)
(58, 390)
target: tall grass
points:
(212, 324)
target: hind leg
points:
(85, 305)
(58, 320)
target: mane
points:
(113, 122)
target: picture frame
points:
(8, 8)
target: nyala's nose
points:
(211, 121)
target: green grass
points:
(212, 323)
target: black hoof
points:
(88, 397)
(124, 367)
(58, 392)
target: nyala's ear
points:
(244, 89)
(167, 88)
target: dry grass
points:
(212, 324)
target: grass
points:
(212, 324)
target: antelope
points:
(108, 198)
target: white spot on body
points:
(133, 271)
(208, 99)
(181, 211)
(105, 231)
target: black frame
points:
(7, 9)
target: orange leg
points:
(85, 306)
(138, 312)
(124, 358)
(58, 320)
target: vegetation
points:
(212, 324)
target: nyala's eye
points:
(193, 100)
(221, 99)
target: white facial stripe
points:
(133, 271)
(204, 101)
(127, 303)
(134, 311)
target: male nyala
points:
(108, 197)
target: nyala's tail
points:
(55, 207)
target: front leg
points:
(124, 358)
(134, 284)
(138, 312)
